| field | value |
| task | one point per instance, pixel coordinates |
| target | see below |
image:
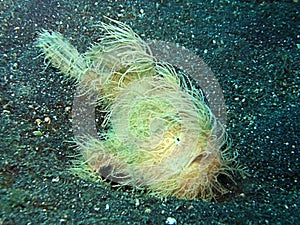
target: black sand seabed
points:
(251, 47)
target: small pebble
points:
(171, 221)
